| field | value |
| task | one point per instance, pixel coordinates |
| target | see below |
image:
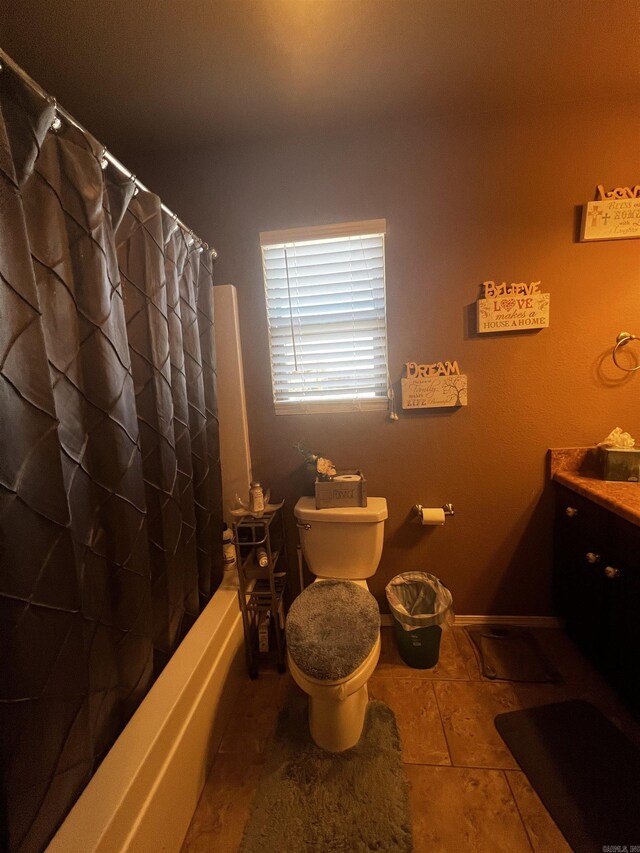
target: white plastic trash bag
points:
(419, 600)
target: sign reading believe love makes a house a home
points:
(513, 307)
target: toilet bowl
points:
(337, 708)
(333, 627)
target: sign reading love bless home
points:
(513, 307)
(614, 219)
(433, 386)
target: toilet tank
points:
(345, 542)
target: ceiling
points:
(155, 73)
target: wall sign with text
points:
(433, 386)
(513, 307)
(615, 216)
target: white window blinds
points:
(325, 294)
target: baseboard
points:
(520, 621)
(386, 619)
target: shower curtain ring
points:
(56, 122)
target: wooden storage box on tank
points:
(348, 488)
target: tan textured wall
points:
(487, 197)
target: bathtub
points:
(144, 793)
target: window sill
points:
(325, 407)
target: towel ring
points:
(622, 340)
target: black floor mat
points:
(585, 771)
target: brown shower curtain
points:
(110, 496)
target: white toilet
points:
(333, 626)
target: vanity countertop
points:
(575, 468)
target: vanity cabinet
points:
(596, 587)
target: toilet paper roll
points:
(432, 515)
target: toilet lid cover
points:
(331, 628)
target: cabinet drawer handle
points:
(571, 511)
(612, 572)
(592, 558)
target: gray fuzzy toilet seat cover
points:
(331, 628)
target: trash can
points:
(420, 604)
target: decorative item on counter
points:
(619, 457)
(334, 488)
(437, 385)
(512, 307)
(614, 216)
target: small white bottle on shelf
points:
(256, 499)
(229, 552)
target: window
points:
(325, 298)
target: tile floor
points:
(467, 792)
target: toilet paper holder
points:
(446, 508)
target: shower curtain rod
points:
(5, 58)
